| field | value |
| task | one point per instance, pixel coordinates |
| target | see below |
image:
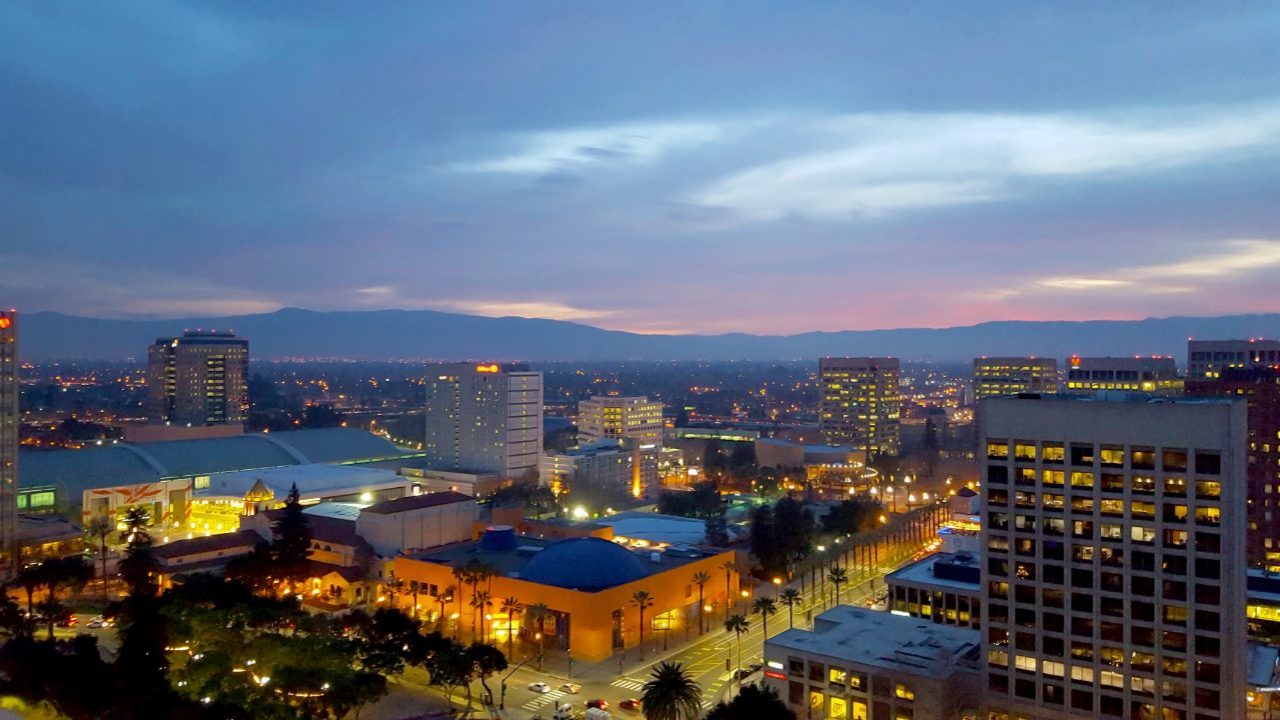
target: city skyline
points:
(939, 168)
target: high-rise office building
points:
(615, 418)
(1155, 375)
(9, 421)
(1112, 584)
(1260, 387)
(1206, 359)
(994, 376)
(860, 403)
(200, 378)
(484, 418)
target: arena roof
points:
(315, 480)
(74, 471)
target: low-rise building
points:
(587, 583)
(861, 664)
(607, 466)
(1154, 375)
(944, 588)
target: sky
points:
(655, 167)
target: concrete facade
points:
(201, 378)
(9, 420)
(616, 418)
(1113, 528)
(994, 376)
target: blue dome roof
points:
(587, 563)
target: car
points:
(571, 688)
(598, 703)
(97, 621)
(540, 687)
(755, 667)
(630, 704)
(743, 674)
(68, 620)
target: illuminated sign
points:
(5, 323)
(1075, 361)
(487, 368)
(774, 664)
(774, 675)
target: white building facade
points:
(615, 418)
(484, 418)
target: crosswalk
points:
(544, 700)
(628, 684)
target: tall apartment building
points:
(1155, 375)
(1260, 387)
(484, 418)
(9, 420)
(615, 418)
(1113, 531)
(1207, 359)
(200, 378)
(994, 376)
(860, 403)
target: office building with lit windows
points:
(1112, 586)
(198, 379)
(994, 376)
(1207, 359)
(860, 403)
(1155, 375)
(861, 664)
(616, 418)
(1259, 385)
(484, 418)
(9, 421)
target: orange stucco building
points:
(587, 582)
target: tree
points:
(451, 667)
(98, 530)
(753, 702)
(765, 544)
(764, 607)
(444, 597)
(737, 624)
(485, 660)
(701, 578)
(136, 519)
(716, 529)
(30, 578)
(291, 544)
(729, 567)
(512, 607)
(837, 576)
(480, 604)
(537, 615)
(66, 572)
(463, 576)
(642, 601)
(790, 597)
(670, 694)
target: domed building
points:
(589, 564)
(587, 583)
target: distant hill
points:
(431, 335)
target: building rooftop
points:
(417, 502)
(880, 639)
(313, 480)
(75, 471)
(586, 563)
(212, 543)
(655, 528)
(960, 571)
(45, 528)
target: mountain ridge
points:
(437, 335)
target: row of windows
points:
(1207, 462)
(1108, 705)
(1088, 483)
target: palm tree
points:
(670, 694)
(700, 579)
(30, 578)
(462, 575)
(480, 603)
(512, 607)
(536, 615)
(728, 567)
(737, 624)
(838, 577)
(135, 521)
(98, 530)
(790, 597)
(445, 596)
(764, 607)
(642, 601)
